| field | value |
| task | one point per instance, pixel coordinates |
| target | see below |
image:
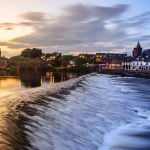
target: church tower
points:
(137, 51)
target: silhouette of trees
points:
(31, 53)
(80, 61)
(65, 60)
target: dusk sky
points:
(74, 26)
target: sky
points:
(74, 26)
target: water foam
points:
(128, 137)
(19, 98)
(100, 113)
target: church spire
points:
(137, 51)
(138, 44)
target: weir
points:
(77, 114)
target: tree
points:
(79, 61)
(31, 53)
(65, 60)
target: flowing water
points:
(92, 112)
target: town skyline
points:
(78, 53)
(74, 27)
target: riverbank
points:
(128, 73)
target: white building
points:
(143, 64)
(140, 65)
(139, 61)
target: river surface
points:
(10, 83)
(96, 112)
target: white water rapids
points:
(93, 112)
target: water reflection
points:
(12, 123)
(54, 77)
(9, 85)
(102, 112)
(29, 79)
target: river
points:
(92, 112)
(10, 83)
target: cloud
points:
(81, 13)
(80, 27)
(80, 24)
(33, 16)
(7, 26)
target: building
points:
(139, 61)
(140, 64)
(137, 51)
(88, 57)
(101, 58)
(110, 60)
(54, 56)
(146, 53)
(126, 64)
(51, 56)
(108, 57)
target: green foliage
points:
(56, 62)
(79, 61)
(31, 53)
(16, 57)
(65, 60)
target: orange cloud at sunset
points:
(8, 32)
(67, 26)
